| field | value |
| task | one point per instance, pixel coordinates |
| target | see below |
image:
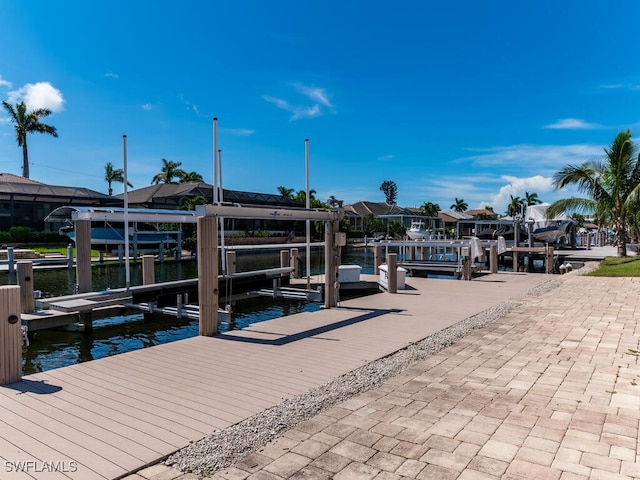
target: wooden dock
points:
(107, 418)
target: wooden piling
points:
(392, 270)
(377, 259)
(25, 281)
(83, 255)
(148, 270)
(493, 259)
(231, 262)
(208, 293)
(294, 263)
(284, 258)
(10, 335)
(549, 260)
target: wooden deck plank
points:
(34, 443)
(159, 399)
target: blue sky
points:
(477, 100)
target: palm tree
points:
(460, 205)
(515, 206)
(285, 192)
(170, 170)
(612, 187)
(390, 191)
(531, 198)
(191, 177)
(28, 122)
(114, 175)
(430, 209)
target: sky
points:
(469, 99)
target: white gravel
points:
(226, 447)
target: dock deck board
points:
(118, 414)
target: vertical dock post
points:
(208, 292)
(412, 253)
(377, 259)
(293, 261)
(161, 252)
(70, 257)
(25, 282)
(83, 255)
(231, 262)
(179, 246)
(120, 254)
(392, 270)
(549, 260)
(284, 258)
(515, 260)
(10, 335)
(493, 258)
(11, 262)
(148, 270)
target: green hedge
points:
(25, 235)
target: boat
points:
(112, 236)
(419, 231)
(544, 229)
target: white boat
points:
(418, 231)
(545, 229)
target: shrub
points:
(20, 234)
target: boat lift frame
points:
(208, 256)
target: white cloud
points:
(613, 86)
(188, 104)
(239, 132)
(542, 156)
(314, 93)
(517, 187)
(5, 83)
(385, 158)
(38, 95)
(147, 106)
(298, 111)
(111, 75)
(572, 124)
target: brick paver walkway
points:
(550, 391)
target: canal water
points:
(50, 349)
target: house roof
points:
(26, 189)
(380, 209)
(170, 194)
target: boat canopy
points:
(69, 214)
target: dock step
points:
(82, 305)
(291, 293)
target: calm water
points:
(56, 348)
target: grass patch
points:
(618, 267)
(61, 249)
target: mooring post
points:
(120, 254)
(11, 262)
(493, 258)
(148, 270)
(515, 260)
(377, 259)
(549, 260)
(293, 261)
(83, 255)
(161, 253)
(284, 258)
(25, 281)
(70, 257)
(231, 262)
(10, 335)
(392, 267)
(208, 292)
(179, 246)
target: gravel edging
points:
(226, 447)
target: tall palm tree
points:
(113, 175)
(191, 177)
(28, 122)
(170, 171)
(285, 192)
(531, 198)
(430, 209)
(459, 205)
(611, 186)
(515, 206)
